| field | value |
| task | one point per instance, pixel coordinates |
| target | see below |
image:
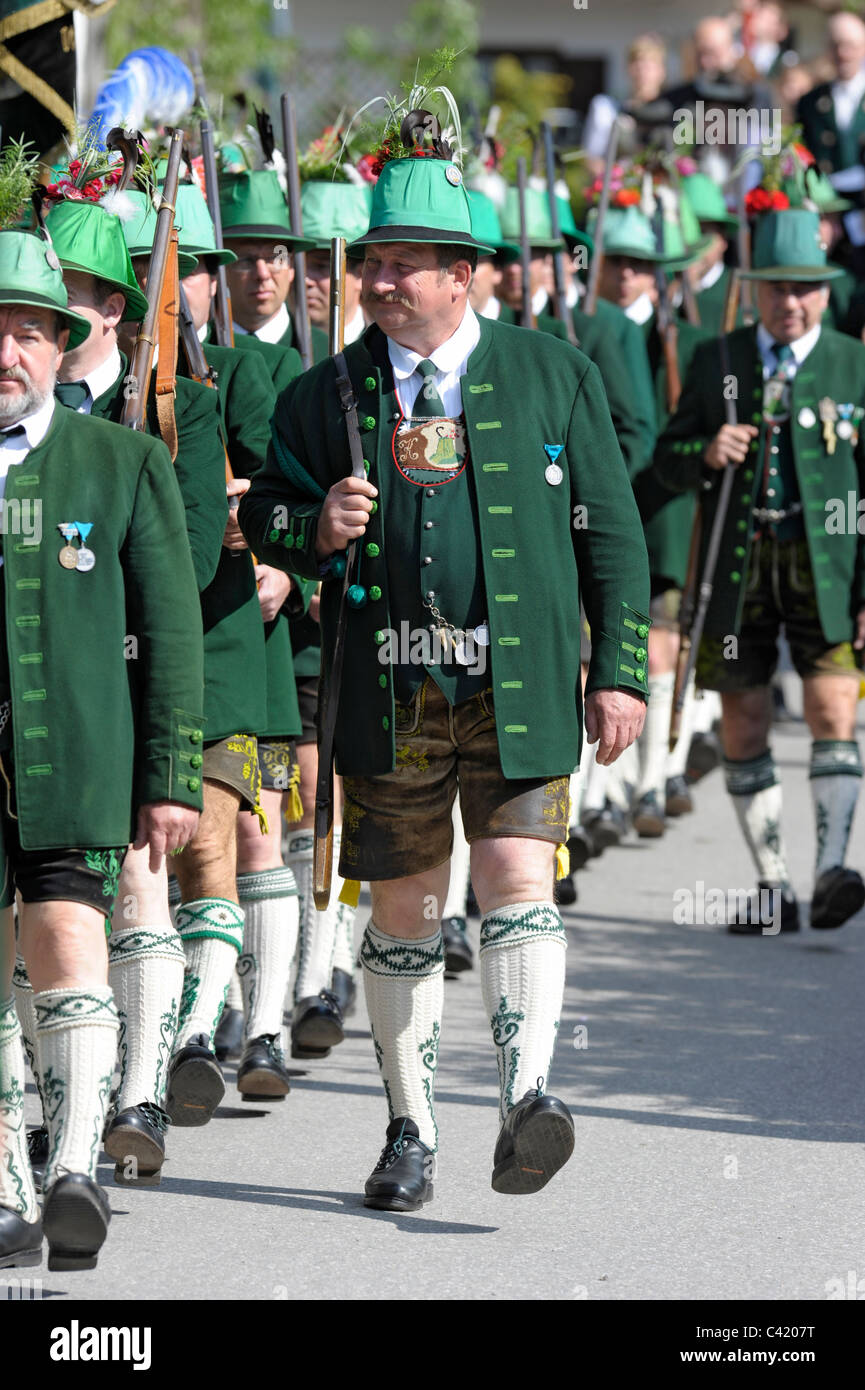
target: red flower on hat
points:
(626, 197)
(759, 200)
(369, 167)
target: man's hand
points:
(344, 515)
(273, 589)
(314, 607)
(614, 718)
(234, 538)
(859, 637)
(730, 445)
(164, 826)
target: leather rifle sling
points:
(166, 366)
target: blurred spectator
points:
(647, 71)
(832, 114)
(767, 43)
(791, 86)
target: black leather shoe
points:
(195, 1084)
(228, 1038)
(565, 891)
(37, 1148)
(760, 913)
(402, 1178)
(579, 847)
(839, 894)
(135, 1139)
(535, 1141)
(75, 1219)
(606, 827)
(648, 818)
(704, 755)
(262, 1074)
(316, 1025)
(459, 955)
(344, 991)
(20, 1240)
(677, 798)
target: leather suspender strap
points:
(349, 404)
(166, 366)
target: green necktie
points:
(428, 401)
(71, 393)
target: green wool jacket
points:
(320, 344)
(832, 148)
(246, 401)
(545, 323)
(618, 348)
(668, 517)
(234, 661)
(105, 665)
(283, 363)
(526, 398)
(836, 368)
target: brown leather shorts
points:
(400, 823)
(234, 762)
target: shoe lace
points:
(155, 1115)
(392, 1150)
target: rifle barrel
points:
(222, 316)
(525, 258)
(295, 218)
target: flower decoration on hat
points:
(410, 129)
(96, 174)
(785, 180)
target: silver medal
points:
(807, 418)
(553, 474)
(844, 429)
(482, 635)
(86, 559)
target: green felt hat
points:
(628, 232)
(334, 209)
(538, 222)
(30, 274)
(88, 238)
(421, 199)
(706, 200)
(683, 240)
(574, 235)
(195, 226)
(821, 192)
(253, 208)
(487, 227)
(140, 229)
(787, 246)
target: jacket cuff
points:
(173, 771)
(621, 660)
(289, 541)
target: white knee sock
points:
(523, 980)
(211, 930)
(234, 997)
(597, 778)
(707, 712)
(455, 903)
(17, 1192)
(653, 743)
(317, 929)
(26, 1010)
(624, 774)
(77, 1032)
(145, 971)
(756, 792)
(404, 985)
(677, 761)
(836, 775)
(344, 954)
(269, 902)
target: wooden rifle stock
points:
(295, 219)
(137, 382)
(331, 681)
(527, 315)
(222, 318)
(560, 298)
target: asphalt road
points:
(715, 1083)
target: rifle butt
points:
(322, 852)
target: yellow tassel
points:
(350, 894)
(262, 818)
(294, 808)
(563, 862)
(861, 688)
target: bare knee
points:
(411, 907)
(511, 869)
(745, 722)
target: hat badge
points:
(453, 175)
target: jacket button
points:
(640, 674)
(382, 680)
(378, 637)
(369, 422)
(739, 552)
(196, 736)
(641, 654)
(375, 593)
(288, 542)
(372, 550)
(748, 475)
(745, 499)
(373, 508)
(735, 576)
(273, 536)
(193, 784)
(370, 383)
(196, 760)
(385, 722)
(366, 465)
(642, 631)
(428, 525)
(741, 525)
(337, 566)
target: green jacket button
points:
(640, 674)
(373, 508)
(288, 542)
(375, 593)
(745, 499)
(382, 680)
(748, 475)
(366, 465)
(756, 417)
(193, 784)
(273, 536)
(641, 654)
(739, 552)
(385, 722)
(735, 576)
(642, 631)
(370, 383)
(196, 760)
(196, 736)
(372, 550)
(378, 637)
(369, 422)
(741, 525)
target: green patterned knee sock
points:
(269, 901)
(77, 1031)
(145, 971)
(17, 1192)
(211, 930)
(836, 772)
(523, 981)
(404, 985)
(756, 793)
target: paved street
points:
(718, 1109)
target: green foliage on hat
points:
(18, 169)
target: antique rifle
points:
(222, 319)
(295, 221)
(527, 314)
(560, 298)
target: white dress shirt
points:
(273, 330)
(846, 96)
(641, 310)
(451, 360)
(800, 346)
(492, 309)
(100, 380)
(712, 276)
(355, 327)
